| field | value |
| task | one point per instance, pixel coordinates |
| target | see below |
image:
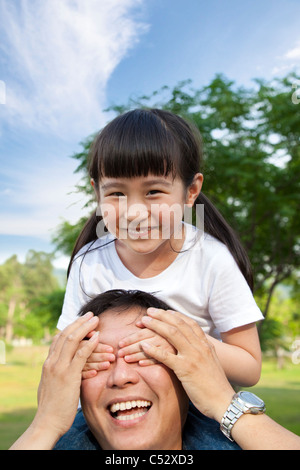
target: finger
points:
(84, 350)
(159, 355)
(191, 322)
(148, 362)
(135, 357)
(181, 337)
(132, 349)
(61, 337)
(135, 338)
(186, 324)
(96, 357)
(72, 346)
(101, 346)
(88, 374)
(98, 366)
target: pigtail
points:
(216, 225)
(88, 234)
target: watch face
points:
(252, 399)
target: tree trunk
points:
(9, 324)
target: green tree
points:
(11, 294)
(19, 285)
(44, 310)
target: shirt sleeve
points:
(231, 302)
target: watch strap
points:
(232, 414)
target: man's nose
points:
(122, 373)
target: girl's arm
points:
(240, 354)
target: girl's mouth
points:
(141, 232)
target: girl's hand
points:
(195, 362)
(131, 348)
(100, 359)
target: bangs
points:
(135, 144)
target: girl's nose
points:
(137, 212)
(122, 374)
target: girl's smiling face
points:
(145, 212)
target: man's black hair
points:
(121, 300)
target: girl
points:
(144, 167)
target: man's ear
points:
(194, 190)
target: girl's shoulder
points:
(204, 241)
(213, 253)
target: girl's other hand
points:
(100, 359)
(132, 351)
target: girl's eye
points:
(154, 191)
(117, 194)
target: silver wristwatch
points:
(241, 403)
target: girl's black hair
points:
(155, 141)
(122, 300)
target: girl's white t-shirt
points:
(203, 282)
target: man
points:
(132, 407)
(169, 410)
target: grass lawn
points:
(280, 389)
(20, 376)
(19, 379)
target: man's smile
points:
(129, 412)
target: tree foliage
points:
(30, 297)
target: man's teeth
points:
(131, 416)
(128, 405)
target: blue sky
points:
(62, 62)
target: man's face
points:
(129, 406)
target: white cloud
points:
(293, 53)
(41, 199)
(288, 62)
(59, 55)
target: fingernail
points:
(93, 320)
(151, 310)
(87, 315)
(94, 337)
(145, 345)
(146, 319)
